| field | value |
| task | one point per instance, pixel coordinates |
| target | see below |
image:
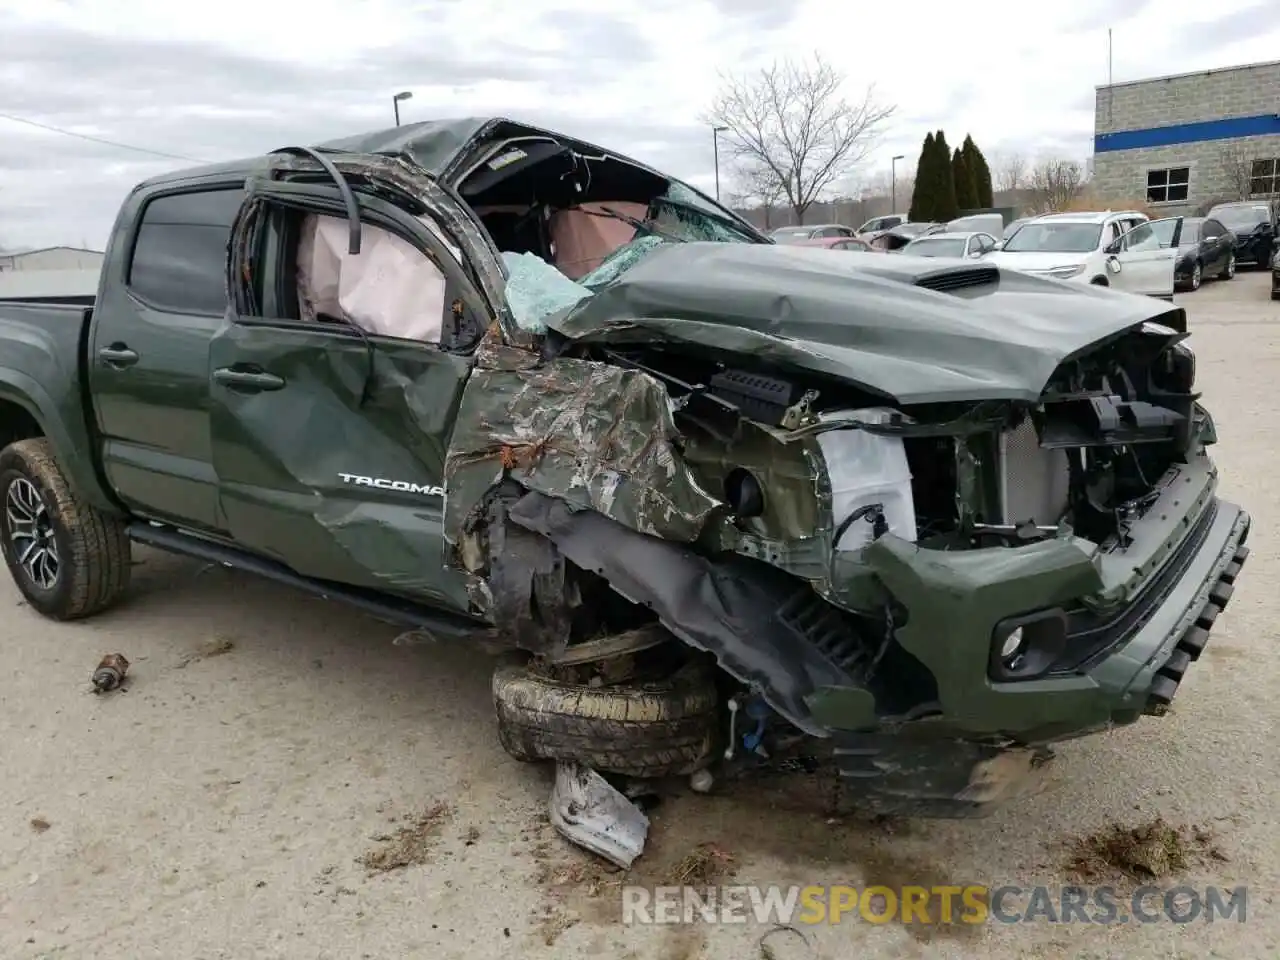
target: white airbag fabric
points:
(390, 288)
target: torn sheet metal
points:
(597, 436)
(733, 607)
(587, 810)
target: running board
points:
(394, 609)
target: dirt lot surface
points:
(279, 780)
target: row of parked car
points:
(1123, 249)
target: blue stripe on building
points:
(1179, 133)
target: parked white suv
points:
(1125, 250)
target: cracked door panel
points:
(333, 399)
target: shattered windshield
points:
(536, 289)
(683, 211)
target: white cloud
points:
(241, 77)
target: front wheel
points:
(1197, 276)
(68, 559)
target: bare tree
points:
(1009, 171)
(754, 188)
(1237, 164)
(790, 130)
(1054, 183)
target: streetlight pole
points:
(893, 183)
(395, 102)
(715, 149)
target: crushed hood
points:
(863, 320)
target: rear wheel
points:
(1229, 270)
(68, 559)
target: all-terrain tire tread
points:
(643, 732)
(98, 561)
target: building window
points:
(1170, 185)
(1264, 178)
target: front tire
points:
(1197, 276)
(68, 559)
(657, 729)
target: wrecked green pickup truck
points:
(715, 498)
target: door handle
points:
(247, 381)
(118, 355)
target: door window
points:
(178, 263)
(1139, 239)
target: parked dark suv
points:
(1253, 223)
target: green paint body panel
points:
(286, 473)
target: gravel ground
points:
(222, 805)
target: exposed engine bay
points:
(1110, 426)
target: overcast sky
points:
(235, 78)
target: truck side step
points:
(393, 609)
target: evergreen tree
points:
(966, 192)
(922, 202)
(980, 172)
(945, 207)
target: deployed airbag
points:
(390, 288)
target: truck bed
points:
(42, 372)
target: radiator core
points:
(1034, 482)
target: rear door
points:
(148, 359)
(333, 389)
(1144, 258)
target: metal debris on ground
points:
(590, 812)
(110, 672)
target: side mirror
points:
(1113, 265)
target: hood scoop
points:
(960, 279)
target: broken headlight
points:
(1026, 646)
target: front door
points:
(1143, 260)
(334, 384)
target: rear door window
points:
(179, 257)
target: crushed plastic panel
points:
(536, 289)
(587, 810)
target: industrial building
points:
(1183, 142)
(52, 258)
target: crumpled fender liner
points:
(728, 607)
